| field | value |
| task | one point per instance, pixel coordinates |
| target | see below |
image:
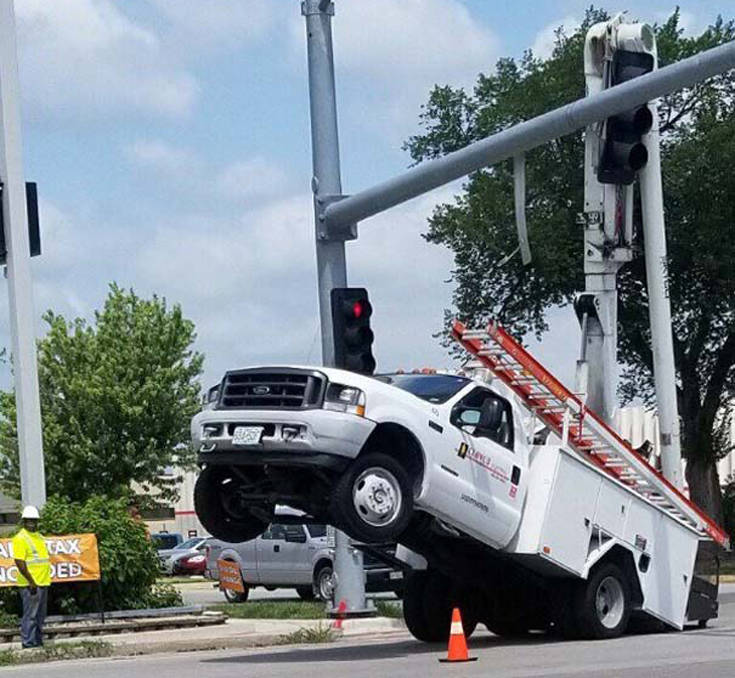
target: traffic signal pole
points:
(528, 135)
(659, 307)
(20, 288)
(349, 575)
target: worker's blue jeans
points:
(34, 614)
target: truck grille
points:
(272, 389)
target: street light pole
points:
(20, 289)
(349, 577)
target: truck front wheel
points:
(372, 500)
(221, 506)
(602, 603)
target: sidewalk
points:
(234, 633)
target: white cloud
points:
(388, 55)
(85, 58)
(162, 158)
(255, 177)
(543, 44)
(222, 24)
(183, 170)
(413, 40)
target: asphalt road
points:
(708, 653)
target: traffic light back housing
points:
(353, 338)
(34, 229)
(623, 152)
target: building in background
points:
(180, 517)
(639, 426)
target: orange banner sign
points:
(229, 576)
(74, 557)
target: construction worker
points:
(34, 577)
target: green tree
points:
(698, 136)
(117, 396)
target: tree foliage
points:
(698, 137)
(117, 396)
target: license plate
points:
(247, 435)
(396, 575)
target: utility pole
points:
(349, 574)
(20, 287)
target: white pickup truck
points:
(520, 535)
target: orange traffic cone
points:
(457, 650)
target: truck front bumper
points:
(290, 437)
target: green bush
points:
(128, 560)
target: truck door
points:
(491, 473)
(279, 552)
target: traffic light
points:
(353, 338)
(623, 152)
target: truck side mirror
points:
(468, 417)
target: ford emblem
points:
(261, 390)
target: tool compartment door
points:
(565, 535)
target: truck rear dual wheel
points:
(221, 509)
(428, 601)
(373, 501)
(602, 603)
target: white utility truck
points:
(573, 532)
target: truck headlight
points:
(341, 398)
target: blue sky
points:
(170, 141)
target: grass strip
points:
(319, 634)
(56, 652)
(386, 608)
(273, 609)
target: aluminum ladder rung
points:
(592, 437)
(470, 335)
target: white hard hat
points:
(30, 513)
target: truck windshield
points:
(436, 388)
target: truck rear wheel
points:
(413, 608)
(602, 603)
(428, 600)
(372, 500)
(219, 500)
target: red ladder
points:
(579, 428)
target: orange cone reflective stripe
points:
(457, 650)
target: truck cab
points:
(369, 455)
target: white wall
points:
(637, 424)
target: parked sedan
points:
(191, 564)
(191, 547)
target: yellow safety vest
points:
(31, 547)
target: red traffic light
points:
(357, 309)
